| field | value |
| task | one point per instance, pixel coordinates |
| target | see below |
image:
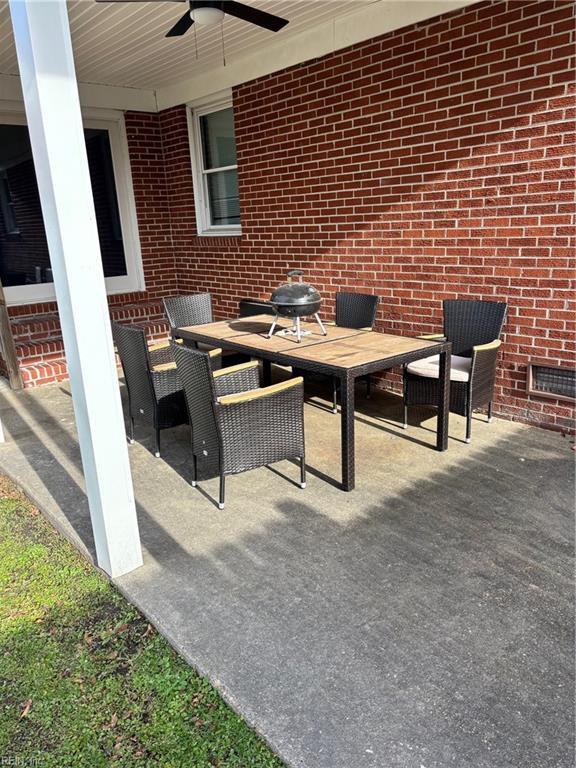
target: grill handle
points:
(295, 273)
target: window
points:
(213, 146)
(25, 268)
(7, 206)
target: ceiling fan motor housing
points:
(206, 12)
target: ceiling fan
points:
(207, 12)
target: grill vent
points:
(552, 381)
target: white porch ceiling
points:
(125, 62)
(123, 44)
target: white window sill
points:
(220, 233)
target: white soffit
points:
(124, 61)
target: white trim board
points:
(91, 95)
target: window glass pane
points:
(7, 206)
(105, 201)
(23, 248)
(218, 142)
(223, 197)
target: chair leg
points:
(221, 498)
(469, 425)
(490, 412)
(334, 396)
(131, 435)
(404, 404)
(157, 443)
(302, 472)
(194, 482)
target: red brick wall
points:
(149, 175)
(434, 162)
(180, 193)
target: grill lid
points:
(295, 294)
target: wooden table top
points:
(361, 349)
(227, 329)
(254, 330)
(341, 347)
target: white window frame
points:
(195, 111)
(113, 122)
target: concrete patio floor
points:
(422, 621)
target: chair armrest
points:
(163, 345)
(483, 365)
(161, 367)
(491, 345)
(214, 355)
(236, 378)
(260, 394)
(432, 337)
(484, 356)
(483, 372)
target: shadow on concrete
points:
(425, 619)
(437, 625)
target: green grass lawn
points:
(85, 681)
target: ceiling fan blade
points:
(253, 15)
(140, 1)
(182, 25)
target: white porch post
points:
(44, 49)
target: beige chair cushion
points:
(429, 367)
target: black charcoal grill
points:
(295, 300)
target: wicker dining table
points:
(345, 353)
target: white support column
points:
(44, 49)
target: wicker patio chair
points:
(354, 310)
(236, 424)
(195, 309)
(474, 328)
(155, 394)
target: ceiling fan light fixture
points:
(206, 17)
